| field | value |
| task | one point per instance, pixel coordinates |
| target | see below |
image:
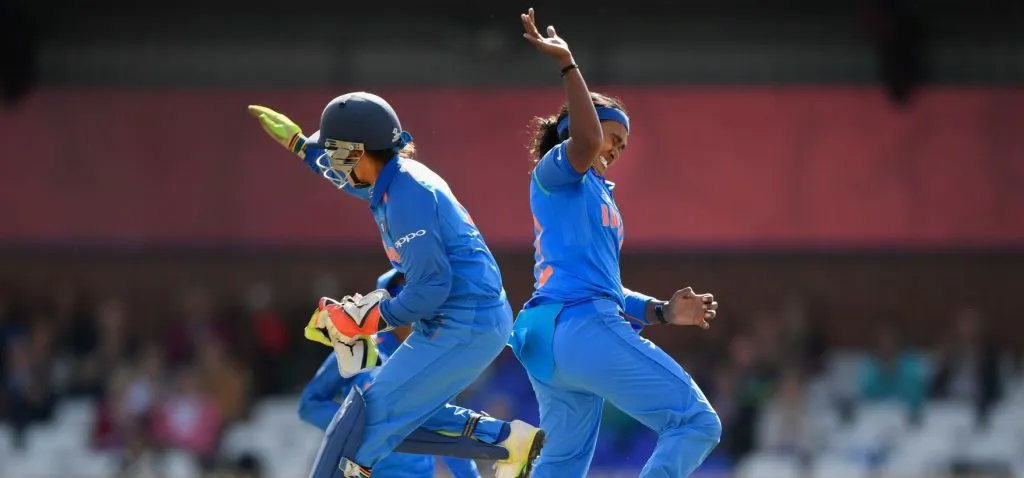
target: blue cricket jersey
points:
(430, 238)
(578, 234)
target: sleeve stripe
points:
(539, 185)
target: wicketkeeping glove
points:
(281, 128)
(351, 317)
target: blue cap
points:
(360, 117)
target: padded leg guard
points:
(425, 442)
(342, 440)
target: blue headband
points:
(603, 113)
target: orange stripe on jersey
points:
(615, 219)
(545, 275)
(385, 198)
(545, 271)
(604, 214)
(391, 253)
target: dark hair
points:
(408, 152)
(545, 130)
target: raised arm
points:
(289, 135)
(585, 134)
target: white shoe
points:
(523, 444)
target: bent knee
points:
(703, 425)
(708, 423)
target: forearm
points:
(318, 413)
(584, 126)
(415, 302)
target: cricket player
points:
(574, 335)
(453, 298)
(318, 404)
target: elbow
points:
(583, 151)
(440, 293)
(418, 303)
(589, 145)
(307, 408)
(432, 297)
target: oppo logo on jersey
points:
(408, 237)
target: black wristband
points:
(659, 312)
(567, 68)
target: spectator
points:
(789, 424)
(112, 344)
(891, 373)
(74, 319)
(11, 330)
(272, 340)
(227, 381)
(29, 377)
(198, 324)
(189, 420)
(744, 388)
(968, 367)
(803, 341)
(107, 433)
(127, 412)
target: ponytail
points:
(545, 135)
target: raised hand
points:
(552, 45)
(279, 127)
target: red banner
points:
(757, 167)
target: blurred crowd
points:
(167, 377)
(177, 376)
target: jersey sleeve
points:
(317, 404)
(412, 222)
(636, 305)
(554, 171)
(461, 467)
(312, 153)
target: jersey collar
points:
(380, 187)
(610, 185)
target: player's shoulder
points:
(413, 191)
(556, 153)
(419, 180)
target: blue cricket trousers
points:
(413, 388)
(598, 356)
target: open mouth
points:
(604, 162)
